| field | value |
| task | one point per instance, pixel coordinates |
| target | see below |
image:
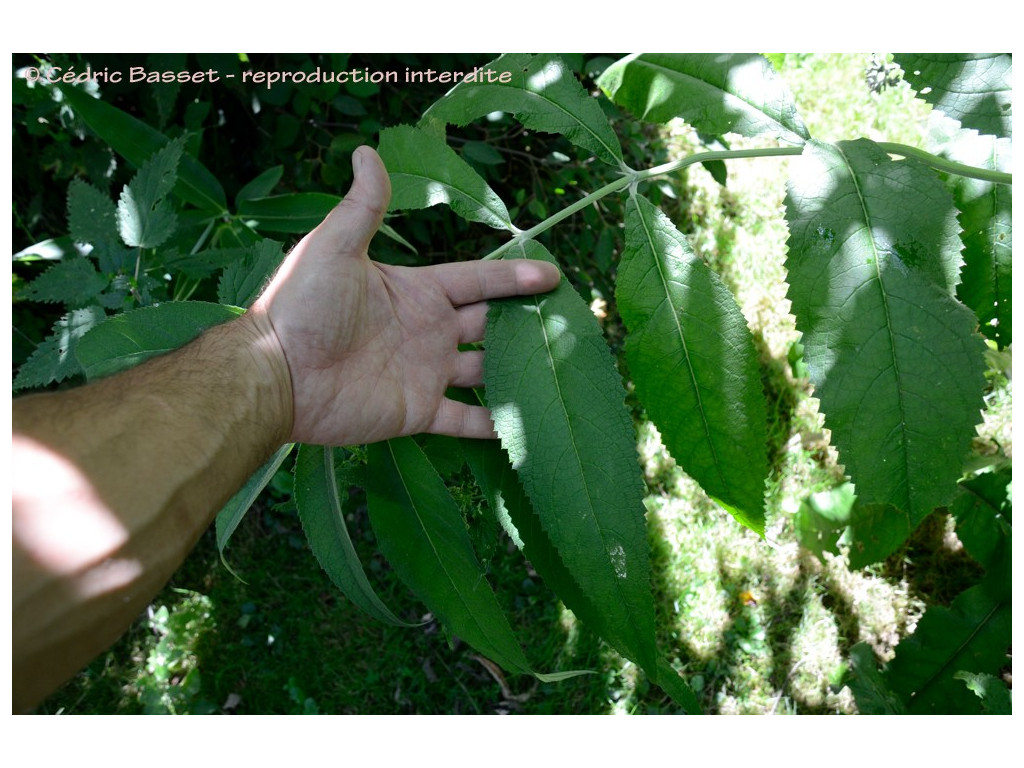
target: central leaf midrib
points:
(682, 341)
(506, 220)
(572, 440)
(888, 328)
(540, 95)
(419, 519)
(704, 85)
(958, 651)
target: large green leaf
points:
(558, 406)
(972, 635)
(974, 88)
(261, 186)
(420, 530)
(892, 355)
(986, 216)
(136, 142)
(319, 503)
(425, 171)
(232, 513)
(715, 93)
(296, 213)
(693, 362)
(542, 93)
(510, 504)
(130, 338)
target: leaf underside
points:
(715, 93)
(543, 94)
(425, 171)
(973, 88)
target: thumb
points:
(354, 221)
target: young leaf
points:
(875, 532)
(92, 216)
(822, 518)
(974, 88)
(73, 281)
(243, 281)
(55, 359)
(994, 695)
(144, 217)
(425, 171)
(893, 357)
(136, 142)
(318, 500)
(558, 406)
(543, 94)
(693, 362)
(715, 93)
(421, 532)
(130, 338)
(231, 514)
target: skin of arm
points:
(114, 482)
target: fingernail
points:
(357, 160)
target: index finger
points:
(467, 282)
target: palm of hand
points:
(371, 348)
(373, 360)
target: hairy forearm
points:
(114, 482)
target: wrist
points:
(267, 371)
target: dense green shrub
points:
(898, 274)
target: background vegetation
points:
(759, 627)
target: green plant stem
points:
(703, 157)
(933, 161)
(947, 166)
(579, 205)
(632, 178)
(202, 238)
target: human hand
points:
(371, 347)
